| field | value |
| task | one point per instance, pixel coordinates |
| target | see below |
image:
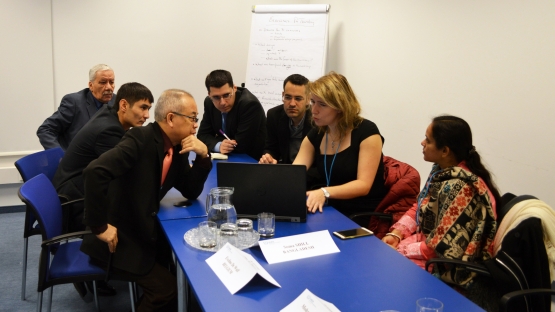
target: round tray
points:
(191, 239)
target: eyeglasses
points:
(288, 98)
(193, 118)
(218, 98)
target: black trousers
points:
(159, 286)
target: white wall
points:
(490, 62)
(26, 85)
(161, 44)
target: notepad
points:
(218, 156)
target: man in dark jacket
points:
(123, 189)
(76, 109)
(236, 112)
(288, 124)
(101, 134)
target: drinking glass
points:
(228, 234)
(429, 305)
(244, 232)
(266, 224)
(207, 234)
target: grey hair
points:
(170, 101)
(97, 68)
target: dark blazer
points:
(101, 134)
(75, 110)
(122, 187)
(278, 134)
(246, 124)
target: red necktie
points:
(166, 164)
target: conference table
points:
(366, 275)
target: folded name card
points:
(308, 301)
(236, 268)
(298, 247)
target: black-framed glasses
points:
(193, 118)
(218, 98)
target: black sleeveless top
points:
(345, 169)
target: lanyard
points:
(328, 177)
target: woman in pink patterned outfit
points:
(454, 216)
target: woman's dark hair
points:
(455, 133)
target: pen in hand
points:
(225, 135)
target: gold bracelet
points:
(394, 235)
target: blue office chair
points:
(59, 263)
(45, 162)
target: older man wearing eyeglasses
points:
(234, 120)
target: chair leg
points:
(24, 268)
(135, 291)
(95, 297)
(132, 295)
(50, 301)
(39, 301)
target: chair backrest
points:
(39, 194)
(512, 200)
(46, 162)
(522, 261)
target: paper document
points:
(218, 156)
(236, 268)
(298, 246)
(307, 301)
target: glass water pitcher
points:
(219, 206)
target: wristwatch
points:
(326, 193)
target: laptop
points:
(279, 189)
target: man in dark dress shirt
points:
(101, 134)
(76, 109)
(288, 124)
(123, 189)
(234, 111)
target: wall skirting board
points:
(8, 172)
(10, 181)
(10, 209)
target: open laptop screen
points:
(279, 189)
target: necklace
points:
(333, 142)
(328, 177)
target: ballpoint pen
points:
(225, 135)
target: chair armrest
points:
(519, 293)
(371, 213)
(473, 267)
(70, 202)
(64, 237)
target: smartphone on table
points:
(353, 233)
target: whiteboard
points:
(285, 40)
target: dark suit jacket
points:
(101, 134)
(278, 134)
(122, 187)
(75, 110)
(246, 124)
